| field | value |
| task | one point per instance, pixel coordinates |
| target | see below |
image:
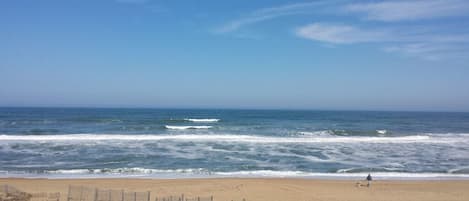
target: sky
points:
(280, 54)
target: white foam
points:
(459, 170)
(358, 170)
(382, 175)
(236, 138)
(72, 171)
(134, 170)
(187, 127)
(204, 173)
(382, 132)
(203, 120)
(316, 133)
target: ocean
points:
(200, 143)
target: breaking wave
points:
(204, 173)
(382, 132)
(186, 127)
(202, 120)
(241, 138)
(134, 170)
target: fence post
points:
(122, 194)
(135, 196)
(109, 194)
(96, 194)
(148, 199)
(198, 198)
(182, 197)
(68, 196)
(211, 198)
(96, 190)
(81, 193)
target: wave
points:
(186, 127)
(202, 120)
(382, 132)
(317, 133)
(201, 172)
(339, 132)
(463, 170)
(134, 170)
(366, 170)
(240, 138)
(389, 175)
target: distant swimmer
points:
(368, 178)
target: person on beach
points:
(368, 178)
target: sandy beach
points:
(263, 189)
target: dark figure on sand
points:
(368, 178)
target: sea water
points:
(183, 143)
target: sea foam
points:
(186, 127)
(204, 173)
(382, 132)
(236, 138)
(202, 120)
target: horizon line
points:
(231, 108)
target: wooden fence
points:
(81, 193)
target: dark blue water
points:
(185, 143)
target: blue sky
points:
(333, 54)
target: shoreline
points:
(261, 189)
(390, 176)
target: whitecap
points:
(186, 127)
(379, 175)
(131, 170)
(461, 170)
(235, 138)
(204, 173)
(202, 120)
(382, 132)
(317, 133)
(71, 171)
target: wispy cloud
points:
(269, 13)
(403, 26)
(132, 1)
(347, 34)
(427, 44)
(340, 33)
(425, 40)
(236, 24)
(382, 11)
(430, 51)
(410, 10)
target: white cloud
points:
(410, 10)
(132, 1)
(381, 11)
(270, 13)
(413, 42)
(236, 24)
(429, 39)
(339, 33)
(430, 51)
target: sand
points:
(263, 189)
